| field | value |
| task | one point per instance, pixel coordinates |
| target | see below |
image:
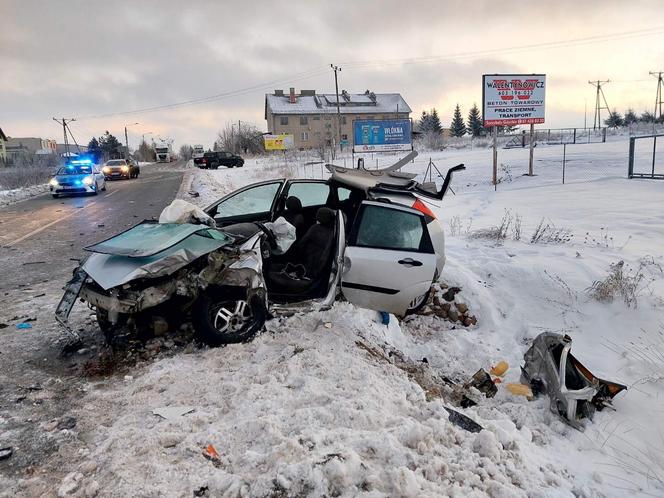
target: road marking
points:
(111, 193)
(42, 228)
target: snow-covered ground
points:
(316, 406)
(18, 194)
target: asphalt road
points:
(41, 240)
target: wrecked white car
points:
(367, 235)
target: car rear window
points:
(386, 228)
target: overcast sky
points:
(84, 58)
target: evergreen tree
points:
(475, 126)
(110, 145)
(647, 117)
(615, 120)
(425, 122)
(630, 117)
(458, 127)
(436, 126)
(94, 149)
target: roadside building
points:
(312, 118)
(3, 150)
(61, 149)
(29, 146)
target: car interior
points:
(311, 206)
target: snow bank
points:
(302, 410)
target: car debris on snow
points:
(6, 453)
(172, 412)
(575, 393)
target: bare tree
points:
(248, 140)
(186, 151)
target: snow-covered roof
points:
(361, 103)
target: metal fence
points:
(643, 159)
(558, 136)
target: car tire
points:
(55, 196)
(418, 303)
(113, 332)
(104, 189)
(225, 316)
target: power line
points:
(311, 73)
(519, 48)
(321, 70)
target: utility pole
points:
(336, 87)
(597, 120)
(658, 97)
(239, 138)
(63, 122)
(127, 140)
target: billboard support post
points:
(495, 158)
(532, 139)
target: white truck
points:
(199, 150)
(164, 152)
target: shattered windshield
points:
(148, 239)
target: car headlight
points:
(87, 180)
(125, 169)
(106, 169)
(54, 182)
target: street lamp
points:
(127, 140)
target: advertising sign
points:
(279, 142)
(382, 135)
(513, 99)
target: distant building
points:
(61, 149)
(312, 118)
(3, 150)
(29, 146)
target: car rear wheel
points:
(55, 196)
(227, 317)
(418, 303)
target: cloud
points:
(84, 58)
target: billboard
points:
(279, 142)
(382, 135)
(513, 99)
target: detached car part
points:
(575, 393)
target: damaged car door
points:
(389, 261)
(253, 203)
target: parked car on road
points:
(366, 235)
(121, 168)
(77, 177)
(212, 160)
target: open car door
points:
(255, 202)
(389, 261)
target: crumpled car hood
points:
(150, 250)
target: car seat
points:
(313, 252)
(293, 215)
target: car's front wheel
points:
(226, 316)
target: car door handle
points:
(409, 262)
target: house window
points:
(343, 119)
(327, 118)
(283, 120)
(304, 121)
(304, 136)
(316, 118)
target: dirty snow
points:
(303, 410)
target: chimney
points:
(292, 96)
(279, 93)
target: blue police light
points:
(81, 161)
